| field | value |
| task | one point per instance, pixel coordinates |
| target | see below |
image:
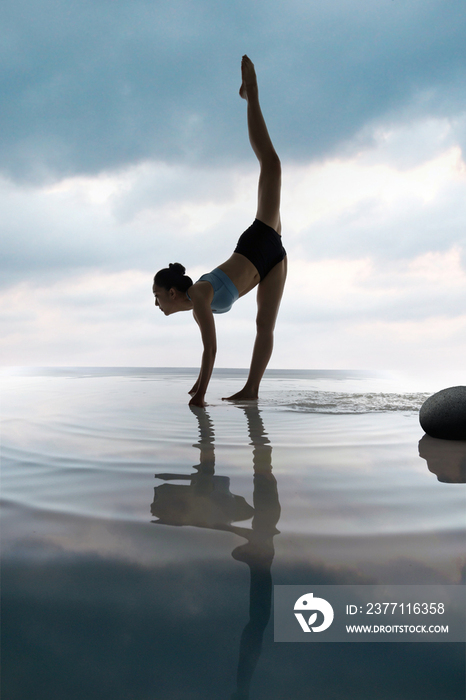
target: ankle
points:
(251, 388)
(252, 95)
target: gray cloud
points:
(97, 85)
(52, 232)
(388, 232)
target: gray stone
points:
(443, 415)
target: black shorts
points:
(262, 246)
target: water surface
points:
(142, 539)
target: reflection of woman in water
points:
(259, 260)
(207, 502)
(257, 553)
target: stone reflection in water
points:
(445, 458)
(207, 502)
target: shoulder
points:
(201, 293)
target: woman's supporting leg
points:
(269, 296)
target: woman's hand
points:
(198, 400)
(201, 297)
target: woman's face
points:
(166, 300)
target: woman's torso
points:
(242, 273)
(239, 269)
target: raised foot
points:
(242, 396)
(249, 81)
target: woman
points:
(259, 260)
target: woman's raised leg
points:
(268, 201)
(269, 296)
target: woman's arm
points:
(205, 320)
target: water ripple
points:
(345, 403)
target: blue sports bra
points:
(225, 292)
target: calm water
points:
(141, 539)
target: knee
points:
(271, 162)
(264, 327)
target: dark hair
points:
(173, 276)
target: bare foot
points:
(249, 81)
(242, 396)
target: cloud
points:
(84, 318)
(143, 217)
(431, 285)
(370, 204)
(379, 203)
(376, 256)
(124, 147)
(351, 314)
(99, 85)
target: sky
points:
(123, 147)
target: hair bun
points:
(178, 268)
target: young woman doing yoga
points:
(259, 260)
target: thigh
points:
(268, 199)
(269, 296)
